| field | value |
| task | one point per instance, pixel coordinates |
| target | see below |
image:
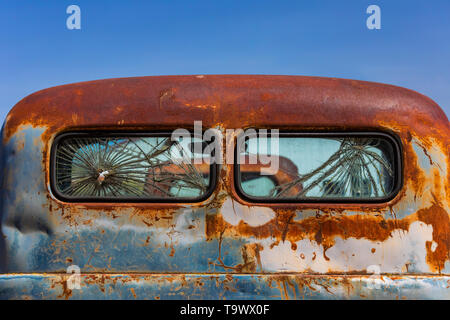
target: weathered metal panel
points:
(223, 286)
(41, 235)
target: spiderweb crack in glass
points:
(339, 167)
(136, 167)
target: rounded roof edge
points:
(310, 99)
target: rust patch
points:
(133, 293)
(413, 171)
(439, 219)
(322, 229)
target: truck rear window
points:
(320, 167)
(128, 167)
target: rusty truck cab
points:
(99, 201)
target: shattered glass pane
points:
(129, 167)
(320, 167)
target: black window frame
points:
(397, 159)
(92, 199)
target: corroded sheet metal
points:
(409, 235)
(223, 286)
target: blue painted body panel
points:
(223, 286)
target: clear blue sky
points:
(166, 37)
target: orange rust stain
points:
(265, 96)
(295, 286)
(74, 118)
(20, 146)
(439, 219)
(87, 222)
(75, 214)
(413, 173)
(172, 251)
(118, 109)
(62, 281)
(447, 185)
(322, 229)
(438, 189)
(251, 258)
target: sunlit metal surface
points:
(224, 286)
(235, 248)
